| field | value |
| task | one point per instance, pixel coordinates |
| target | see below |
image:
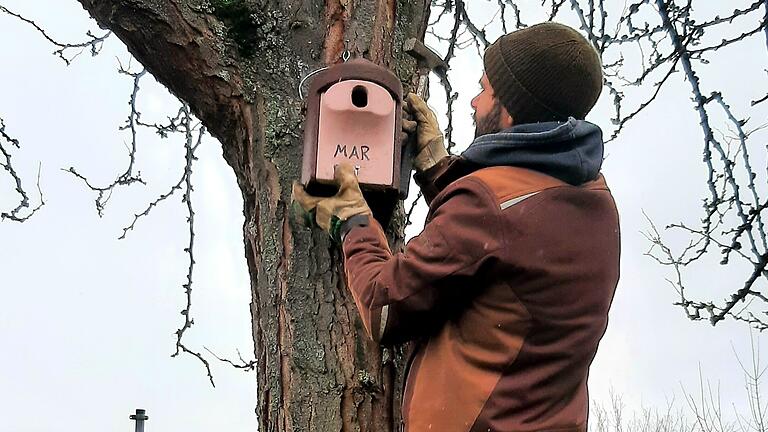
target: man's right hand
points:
(429, 139)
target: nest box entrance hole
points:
(360, 96)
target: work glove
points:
(331, 213)
(429, 139)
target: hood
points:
(571, 151)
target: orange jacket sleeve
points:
(405, 295)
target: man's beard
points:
(490, 123)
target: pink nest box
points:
(354, 114)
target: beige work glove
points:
(429, 139)
(330, 213)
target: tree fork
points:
(239, 71)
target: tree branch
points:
(94, 43)
(190, 146)
(104, 193)
(14, 214)
(185, 47)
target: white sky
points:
(87, 321)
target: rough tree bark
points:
(238, 63)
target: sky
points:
(87, 321)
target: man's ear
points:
(505, 119)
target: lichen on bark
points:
(251, 28)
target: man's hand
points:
(330, 213)
(429, 139)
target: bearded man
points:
(507, 289)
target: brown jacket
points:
(508, 288)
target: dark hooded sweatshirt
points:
(508, 287)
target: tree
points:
(235, 64)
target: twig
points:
(189, 157)
(95, 43)
(104, 193)
(14, 214)
(246, 365)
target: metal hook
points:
(345, 56)
(357, 169)
(303, 80)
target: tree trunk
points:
(238, 64)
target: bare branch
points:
(409, 213)
(104, 193)
(94, 43)
(243, 364)
(190, 145)
(15, 214)
(175, 125)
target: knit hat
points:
(545, 72)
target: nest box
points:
(354, 115)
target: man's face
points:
(487, 108)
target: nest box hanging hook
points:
(345, 56)
(306, 77)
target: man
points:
(509, 285)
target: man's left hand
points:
(429, 139)
(330, 213)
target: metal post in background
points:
(140, 416)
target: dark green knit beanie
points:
(545, 72)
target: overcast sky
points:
(87, 321)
